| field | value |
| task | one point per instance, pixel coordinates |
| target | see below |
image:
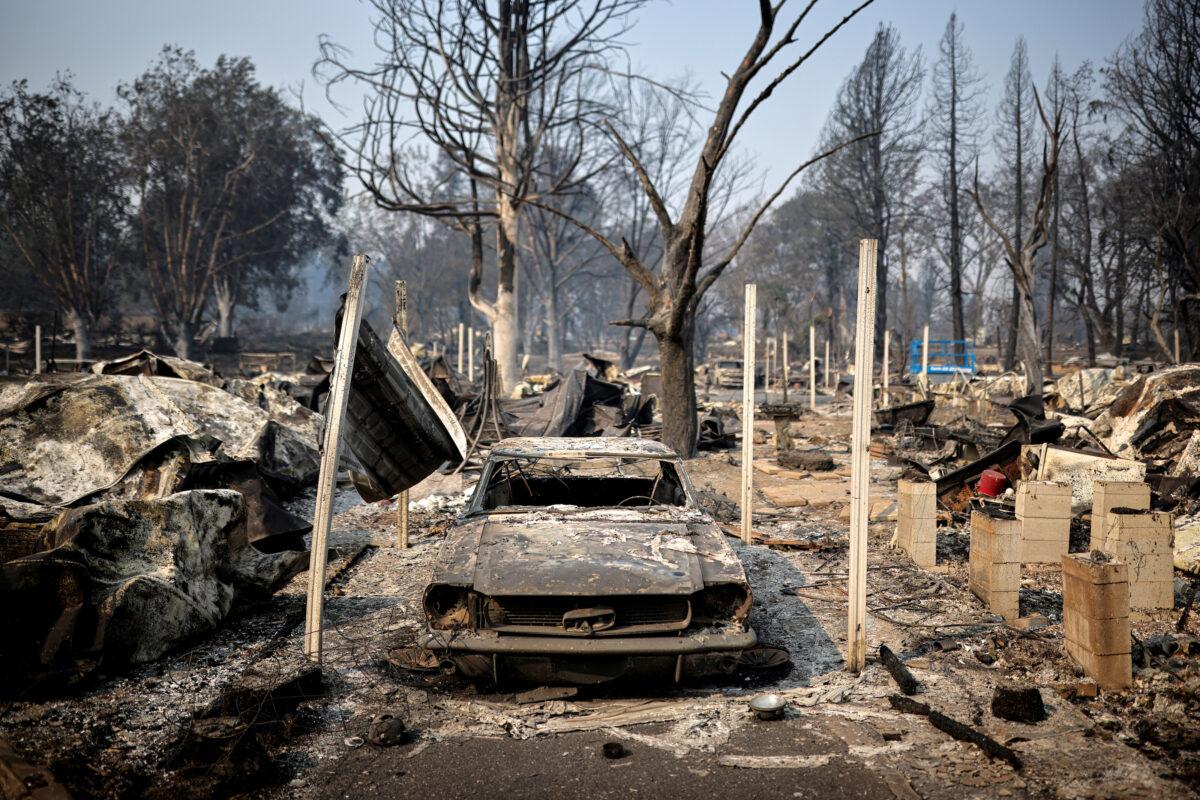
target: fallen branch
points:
(956, 729)
(904, 679)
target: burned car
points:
(584, 560)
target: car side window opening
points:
(599, 482)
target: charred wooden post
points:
(900, 673)
(335, 418)
(812, 367)
(860, 455)
(827, 364)
(748, 411)
(470, 355)
(37, 349)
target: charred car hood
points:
(587, 554)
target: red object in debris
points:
(991, 483)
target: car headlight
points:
(447, 606)
(722, 602)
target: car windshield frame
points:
(475, 504)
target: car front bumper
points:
(515, 644)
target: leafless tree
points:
(1013, 121)
(1021, 252)
(954, 117)
(875, 177)
(484, 84)
(675, 291)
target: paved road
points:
(571, 766)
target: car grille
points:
(657, 612)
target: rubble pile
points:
(139, 503)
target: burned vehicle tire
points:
(585, 561)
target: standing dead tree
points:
(1021, 252)
(486, 85)
(674, 293)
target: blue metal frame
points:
(946, 356)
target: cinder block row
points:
(1108, 495)
(1096, 619)
(916, 521)
(995, 566)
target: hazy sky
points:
(104, 42)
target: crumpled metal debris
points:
(124, 581)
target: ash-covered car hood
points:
(588, 553)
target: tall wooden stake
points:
(887, 366)
(335, 417)
(37, 349)
(826, 364)
(470, 355)
(785, 366)
(401, 323)
(925, 362)
(860, 454)
(812, 367)
(748, 371)
(1178, 351)
(461, 336)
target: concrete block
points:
(1043, 552)
(1111, 672)
(1101, 637)
(1098, 601)
(1045, 499)
(1152, 595)
(1097, 572)
(997, 538)
(1108, 495)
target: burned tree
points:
(674, 293)
(954, 117)
(1012, 142)
(61, 198)
(1020, 251)
(486, 86)
(874, 176)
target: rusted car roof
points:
(573, 447)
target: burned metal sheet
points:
(151, 364)
(1080, 470)
(399, 427)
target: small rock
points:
(613, 750)
(386, 730)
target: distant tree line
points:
(200, 194)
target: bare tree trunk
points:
(223, 293)
(679, 392)
(83, 342)
(1030, 339)
(1053, 281)
(553, 328)
(185, 331)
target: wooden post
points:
(1178, 351)
(826, 364)
(335, 417)
(860, 455)
(812, 367)
(925, 363)
(37, 349)
(887, 365)
(401, 323)
(461, 336)
(471, 355)
(785, 366)
(748, 370)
